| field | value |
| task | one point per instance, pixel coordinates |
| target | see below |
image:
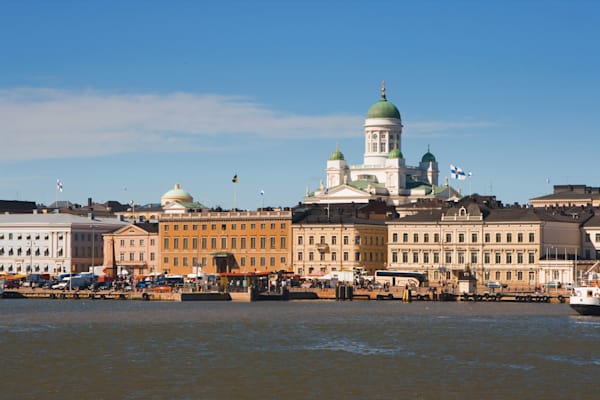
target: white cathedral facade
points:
(383, 173)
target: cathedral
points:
(383, 174)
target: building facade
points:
(134, 249)
(52, 243)
(521, 247)
(339, 237)
(228, 241)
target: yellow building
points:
(227, 241)
(521, 247)
(339, 237)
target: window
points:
(473, 238)
(282, 242)
(487, 258)
(223, 242)
(357, 256)
(346, 239)
(497, 274)
(122, 256)
(299, 257)
(243, 226)
(531, 237)
(185, 242)
(519, 275)
(487, 238)
(520, 237)
(473, 257)
(448, 257)
(334, 240)
(122, 242)
(273, 242)
(461, 257)
(333, 256)
(322, 239)
(436, 237)
(141, 256)
(152, 256)
(175, 242)
(204, 243)
(508, 275)
(282, 226)
(242, 243)
(405, 257)
(322, 256)
(497, 258)
(263, 242)
(195, 243)
(346, 256)
(175, 227)
(175, 261)
(405, 237)
(357, 239)
(132, 256)
(311, 240)
(498, 237)
(252, 261)
(519, 258)
(311, 256)
(233, 242)
(166, 243)
(415, 238)
(415, 257)
(436, 257)
(263, 261)
(426, 258)
(185, 227)
(461, 237)
(253, 242)
(509, 258)
(300, 240)
(508, 237)
(531, 257)
(272, 261)
(394, 256)
(213, 242)
(426, 237)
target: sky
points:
(121, 100)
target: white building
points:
(52, 243)
(383, 173)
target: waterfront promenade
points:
(339, 293)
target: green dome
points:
(336, 155)
(383, 108)
(396, 153)
(428, 157)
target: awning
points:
(221, 255)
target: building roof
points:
(373, 213)
(17, 206)
(383, 108)
(57, 219)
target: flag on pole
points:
(234, 179)
(262, 192)
(457, 173)
(59, 185)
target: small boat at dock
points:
(585, 298)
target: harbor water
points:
(61, 349)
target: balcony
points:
(322, 247)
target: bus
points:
(401, 278)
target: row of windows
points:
(27, 236)
(345, 240)
(184, 243)
(370, 256)
(141, 242)
(213, 227)
(487, 237)
(262, 261)
(434, 257)
(20, 252)
(141, 256)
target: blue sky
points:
(123, 99)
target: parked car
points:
(496, 285)
(100, 286)
(552, 285)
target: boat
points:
(585, 298)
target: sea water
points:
(86, 349)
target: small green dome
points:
(383, 108)
(396, 153)
(336, 155)
(428, 157)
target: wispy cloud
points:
(50, 123)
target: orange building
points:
(229, 241)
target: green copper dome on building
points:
(396, 153)
(336, 155)
(428, 157)
(383, 108)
